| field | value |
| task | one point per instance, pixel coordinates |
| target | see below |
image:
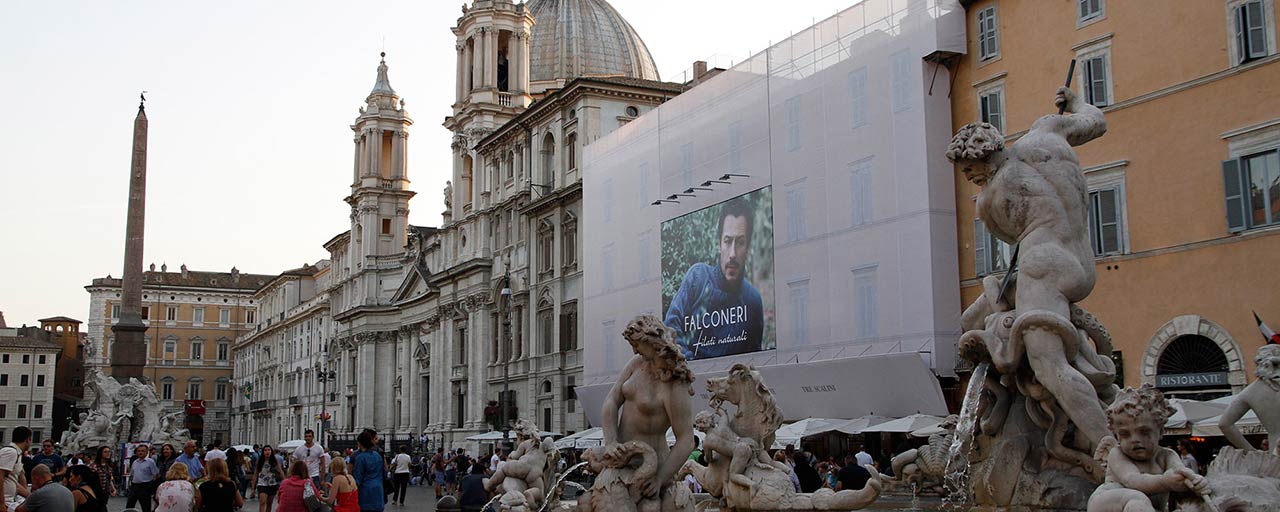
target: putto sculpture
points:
(1262, 396)
(1141, 473)
(1050, 376)
(925, 468)
(525, 475)
(121, 413)
(740, 471)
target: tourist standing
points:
(167, 456)
(343, 493)
(47, 496)
(15, 482)
(102, 465)
(57, 466)
(214, 452)
(144, 475)
(313, 455)
(189, 459)
(368, 470)
(294, 488)
(864, 458)
(437, 469)
(401, 473)
(218, 493)
(267, 477)
(809, 479)
(852, 476)
(89, 493)
(1188, 460)
(176, 494)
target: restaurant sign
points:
(1191, 380)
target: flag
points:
(1270, 335)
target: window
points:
(569, 250)
(860, 185)
(224, 351)
(24, 381)
(22, 410)
(632, 111)
(146, 312)
(386, 226)
(991, 107)
(197, 349)
(795, 213)
(546, 416)
(1090, 10)
(901, 75)
(4, 411)
(568, 327)
(171, 313)
(798, 295)
(170, 348)
(792, 106)
(571, 151)
(864, 298)
(39, 411)
(39, 381)
(42, 358)
(858, 97)
(545, 330)
(26, 358)
(250, 316)
(1095, 81)
(988, 36)
(1249, 26)
(546, 235)
(197, 315)
(1104, 221)
(571, 395)
(6, 359)
(460, 405)
(115, 311)
(224, 316)
(459, 343)
(989, 252)
(193, 390)
(1252, 185)
(221, 391)
(4, 379)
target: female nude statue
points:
(651, 394)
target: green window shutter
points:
(980, 248)
(1255, 28)
(1237, 203)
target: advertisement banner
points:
(717, 277)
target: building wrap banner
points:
(717, 277)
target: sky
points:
(250, 106)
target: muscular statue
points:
(523, 478)
(651, 394)
(1034, 195)
(448, 194)
(1262, 397)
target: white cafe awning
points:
(908, 424)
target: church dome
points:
(573, 38)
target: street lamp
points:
(325, 376)
(506, 356)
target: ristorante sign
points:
(1191, 380)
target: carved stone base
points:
(1013, 471)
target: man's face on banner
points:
(733, 248)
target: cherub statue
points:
(728, 454)
(1140, 473)
(523, 476)
(1262, 397)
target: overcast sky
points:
(250, 107)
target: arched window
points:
(1193, 364)
(546, 387)
(466, 180)
(197, 348)
(170, 349)
(220, 388)
(548, 160)
(571, 152)
(193, 388)
(511, 165)
(166, 388)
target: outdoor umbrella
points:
(671, 437)
(496, 435)
(793, 433)
(908, 424)
(858, 425)
(290, 446)
(588, 438)
(1208, 427)
(928, 431)
(1191, 411)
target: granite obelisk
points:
(128, 352)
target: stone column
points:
(514, 66)
(523, 44)
(491, 58)
(477, 60)
(377, 153)
(462, 71)
(370, 169)
(397, 161)
(468, 67)
(404, 154)
(366, 381)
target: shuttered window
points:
(988, 251)
(1251, 31)
(988, 39)
(1104, 222)
(1095, 81)
(991, 105)
(1252, 191)
(1090, 9)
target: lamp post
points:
(506, 357)
(325, 376)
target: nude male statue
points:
(1034, 194)
(1262, 396)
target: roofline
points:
(59, 319)
(576, 83)
(335, 238)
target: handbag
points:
(311, 499)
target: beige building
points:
(1184, 189)
(28, 361)
(193, 318)
(279, 374)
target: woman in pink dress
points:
(176, 494)
(293, 489)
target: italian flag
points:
(1270, 335)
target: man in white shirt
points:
(864, 458)
(312, 454)
(215, 452)
(15, 485)
(494, 460)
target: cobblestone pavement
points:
(417, 499)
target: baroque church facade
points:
(428, 325)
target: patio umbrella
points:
(496, 435)
(928, 431)
(1191, 411)
(793, 433)
(290, 446)
(858, 425)
(908, 424)
(1248, 425)
(588, 438)
(671, 437)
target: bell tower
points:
(380, 182)
(492, 87)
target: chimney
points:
(699, 69)
(184, 270)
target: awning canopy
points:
(496, 435)
(908, 424)
(1191, 411)
(859, 425)
(793, 433)
(1249, 424)
(588, 438)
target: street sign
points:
(193, 406)
(1191, 380)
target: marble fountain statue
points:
(122, 413)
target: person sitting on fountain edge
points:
(474, 497)
(717, 312)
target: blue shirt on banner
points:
(711, 319)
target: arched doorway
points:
(1192, 357)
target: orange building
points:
(68, 379)
(1184, 188)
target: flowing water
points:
(553, 493)
(957, 474)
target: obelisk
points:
(129, 352)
